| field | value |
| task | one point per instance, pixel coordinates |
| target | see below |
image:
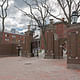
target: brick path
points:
(17, 68)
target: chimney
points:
(28, 27)
(62, 19)
(51, 21)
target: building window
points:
(6, 39)
(6, 35)
(13, 36)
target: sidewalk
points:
(18, 68)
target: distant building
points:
(12, 38)
(13, 30)
(12, 44)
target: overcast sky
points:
(15, 18)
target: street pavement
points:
(21, 68)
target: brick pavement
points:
(20, 68)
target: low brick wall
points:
(8, 50)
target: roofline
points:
(13, 33)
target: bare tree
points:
(67, 7)
(3, 15)
(38, 13)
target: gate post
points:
(28, 41)
(73, 59)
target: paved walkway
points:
(17, 68)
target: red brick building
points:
(13, 38)
(11, 44)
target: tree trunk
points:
(1, 34)
(2, 25)
(44, 38)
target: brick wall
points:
(8, 50)
(74, 44)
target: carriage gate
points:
(74, 46)
(55, 37)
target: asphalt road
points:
(21, 68)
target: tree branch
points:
(3, 12)
(63, 9)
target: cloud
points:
(15, 17)
(19, 3)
